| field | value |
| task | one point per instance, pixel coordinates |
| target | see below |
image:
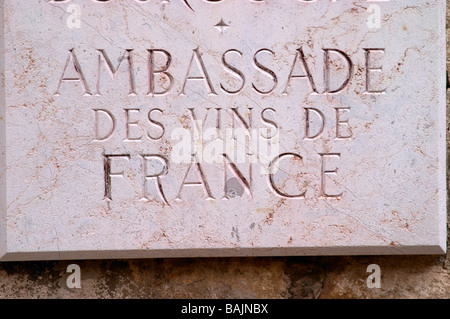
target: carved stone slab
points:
(133, 129)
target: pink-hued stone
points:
(135, 129)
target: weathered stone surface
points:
(295, 277)
(169, 278)
(92, 106)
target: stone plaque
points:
(187, 128)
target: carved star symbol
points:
(221, 26)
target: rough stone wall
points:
(287, 277)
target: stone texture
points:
(294, 277)
(92, 171)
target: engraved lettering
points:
(155, 177)
(111, 120)
(157, 124)
(266, 71)
(319, 114)
(130, 123)
(113, 71)
(212, 152)
(161, 82)
(72, 59)
(273, 167)
(198, 133)
(300, 56)
(327, 70)
(233, 71)
(269, 123)
(242, 135)
(188, 5)
(162, 71)
(370, 69)
(197, 123)
(340, 122)
(218, 109)
(181, 151)
(108, 174)
(325, 171)
(240, 119)
(202, 181)
(201, 66)
(241, 179)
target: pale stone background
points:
(293, 277)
